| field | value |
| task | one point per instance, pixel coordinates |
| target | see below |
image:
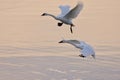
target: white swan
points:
(85, 49)
(67, 15)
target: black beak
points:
(61, 42)
(43, 14)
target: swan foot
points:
(60, 24)
(81, 55)
(93, 56)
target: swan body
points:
(67, 15)
(85, 49)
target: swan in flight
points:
(85, 49)
(67, 15)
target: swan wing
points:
(64, 10)
(73, 13)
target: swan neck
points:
(52, 16)
(72, 44)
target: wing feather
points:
(73, 13)
(64, 10)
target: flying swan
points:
(67, 15)
(85, 49)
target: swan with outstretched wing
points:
(67, 15)
(85, 49)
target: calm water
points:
(29, 48)
(21, 23)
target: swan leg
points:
(60, 24)
(71, 28)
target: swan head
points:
(44, 14)
(63, 41)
